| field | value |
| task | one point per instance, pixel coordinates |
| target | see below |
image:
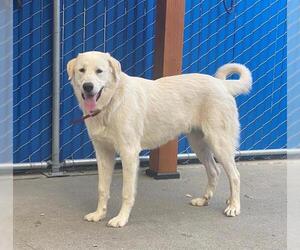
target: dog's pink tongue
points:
(90, 103)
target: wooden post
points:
(167, 62)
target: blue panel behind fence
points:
(123, 28)
(32, 81)
(254, 33)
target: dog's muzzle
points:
(90, 99)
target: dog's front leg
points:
(105, 160)
(130, 163)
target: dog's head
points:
(95, 77)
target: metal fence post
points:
(55, 163)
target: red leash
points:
(94, 113)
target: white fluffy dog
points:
(137, 113)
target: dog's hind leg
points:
(224, 153)
(203, 152)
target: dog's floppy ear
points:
(116, 67)
(70, 68)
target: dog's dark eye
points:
(99, 71)
(82, 70)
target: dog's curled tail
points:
(235, 87)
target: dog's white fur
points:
(137, 113)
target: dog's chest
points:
(98, 131)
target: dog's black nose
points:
(88, 87)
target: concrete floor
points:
(48, 213)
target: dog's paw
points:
(232, 210)
(117, 221)
(95, 216)
(199, 202)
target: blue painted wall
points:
(254, 34)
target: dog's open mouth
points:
(90, 101)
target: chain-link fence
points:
(32, 71)
(252, 33)
(216, 32)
